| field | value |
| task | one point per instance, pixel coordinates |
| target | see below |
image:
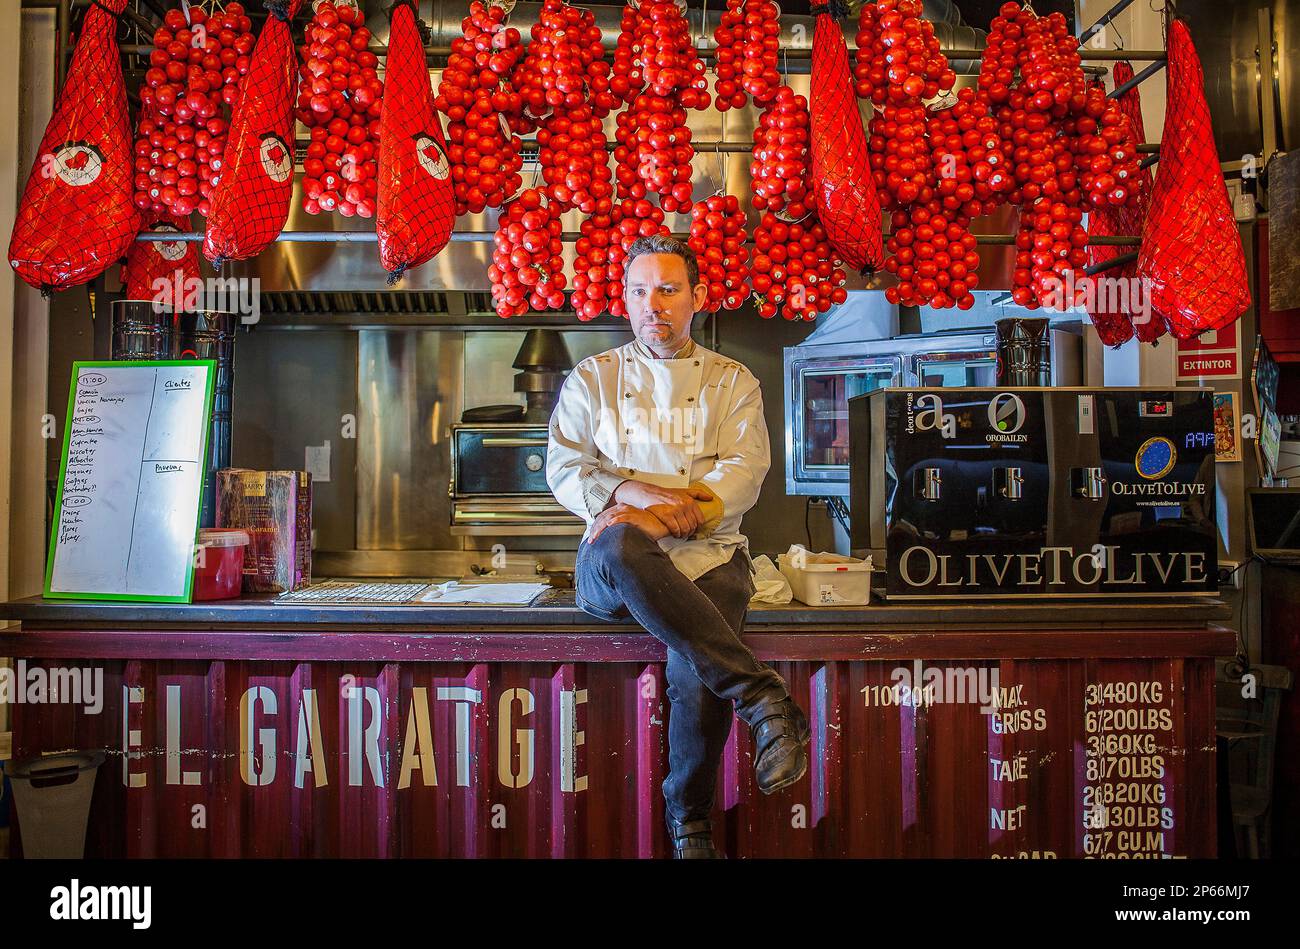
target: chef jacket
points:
(693, 418)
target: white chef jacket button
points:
(697, 362)
(690, 398)
(681, 471)
(627, 395)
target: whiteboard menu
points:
(130, 481)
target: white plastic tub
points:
(826, 579)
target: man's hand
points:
(627, 514)
(677, 508)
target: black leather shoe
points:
(693, 840)
(780, 734)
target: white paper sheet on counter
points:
(487, 594)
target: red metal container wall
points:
(885, 780)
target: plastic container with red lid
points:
(219, 565)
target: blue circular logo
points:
(1156, 458)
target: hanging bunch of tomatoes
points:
(626, 77)
(966, 148)
(794, 270)
(779, 171)
(899, 59)
(565, 65)
(718, 239)
(654, 149)
(900, 154)
(1066, 145)
(339, 99)
(527, 267)
(563, 85)
(597, 267)
(665, 139)
(1105, 149)
(925, 162)
(571, 71)
(748, 39)
(482, 110)
(199, 55)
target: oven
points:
(498, 483)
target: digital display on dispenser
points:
(1155, 408)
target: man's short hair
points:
(662, 245)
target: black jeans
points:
(709, 669)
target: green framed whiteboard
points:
(130, 485)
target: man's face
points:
(660, 301)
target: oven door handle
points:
(496, 442)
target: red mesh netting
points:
(1115, 323)
(251, 201)
(843, 187)
(1191, 249)
(161, 270)
(76, 216)
(416, 210)
(1112, 319)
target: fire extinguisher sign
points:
(1214, 354)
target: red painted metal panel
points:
(565, 759)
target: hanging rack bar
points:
(530, 145)
(1094, 55)
(369, 237)
(157, 7)
(141, 21)
(701, 148)
(1118, 261)
(1141, 77)
(1100, 25)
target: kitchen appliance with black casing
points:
(498, 453)
(498, 483)
(1035, 492)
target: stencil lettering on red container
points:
(1021, 746)
(1127, 807)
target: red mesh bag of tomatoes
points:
(844, 190)
(1191, 251)
(417, 207)
(251, 201)
(339, 99)
(161, 270)
(77, 215)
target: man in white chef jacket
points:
(661, 447)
